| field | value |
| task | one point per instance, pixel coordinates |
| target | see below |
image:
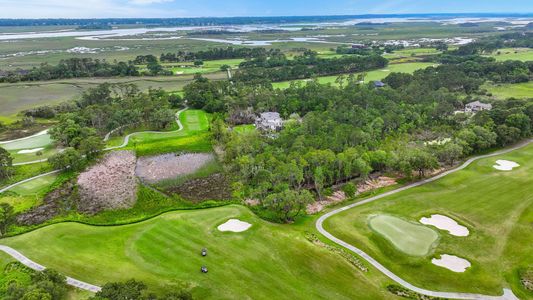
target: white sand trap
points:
(452, 263)
(445, 223)
(25, 151)
(234, 225)
(505, 165)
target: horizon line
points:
(385, 15)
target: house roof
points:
(270, 116)
(480, 104)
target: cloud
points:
(148, 2)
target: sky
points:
(228, 8)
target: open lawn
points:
(370, 76)
(516, 90)
(496, 206)
(36, 141)
(25, 150)
(268, 261)
(35, 186)
(193, 138)
(523, 54)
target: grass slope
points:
(516, 90)
(268, 261)
(496, 206)
(522, 54)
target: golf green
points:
(410, 238)
(496, 206)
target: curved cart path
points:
(507, 293)
(124, 144)
(35, 266)
(127, 138)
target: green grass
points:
(193, 138)
(516, 90)
(244, 128)
(38, 141)
(275, 261)
(370, 76)
(408, 237)
(522, 54)
(26, 171)
(496, 206)
(35, 186)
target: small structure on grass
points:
(269, 121)
(204, 269)
(477, 106)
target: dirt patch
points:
(58, 200)
(110, 184)
(212, 187)
(375, 183)
(152, 169)
(526, 277)
(317, 206)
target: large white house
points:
(477, 106)
(269, 121)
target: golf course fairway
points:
(496, 206)
(268, 261)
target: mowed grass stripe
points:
(266, 262)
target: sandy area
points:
(445, 223)
(234, 225)
(169, 166)
(318, 206)
(109, 184)
(452, 263)
(371, 184)
(25, 151)
(505, 165)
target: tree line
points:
(279, 68)
(346, 132)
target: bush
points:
(349, 189)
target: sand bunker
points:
(169, 166)
(452, 263)
(25, 151)
(445, 223)
(234, 225)
(505, 165)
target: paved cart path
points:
(35, 266)
(507, 293)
